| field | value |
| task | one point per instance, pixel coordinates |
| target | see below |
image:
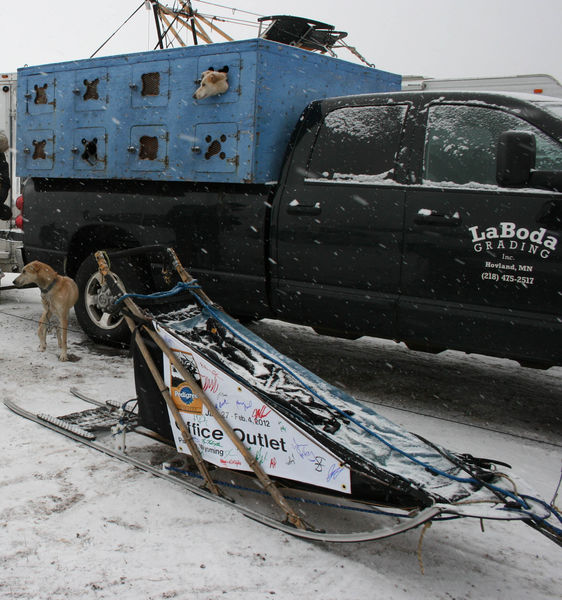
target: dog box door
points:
(89, 149)
(150, 85)
(90, 89)
(218, 62)
(148, 150)
(39, 149)
(216, 148)
(40, 94)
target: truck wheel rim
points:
(94, 310)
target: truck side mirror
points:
(515, 158)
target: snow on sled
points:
(273, 440)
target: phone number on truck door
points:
(508, 278)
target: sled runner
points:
(248, 427)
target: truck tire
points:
(100, 326)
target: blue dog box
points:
(134, 116)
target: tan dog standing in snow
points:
(212, 83)
(58, 294)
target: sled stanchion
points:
(211, 485)
(252, 462)
(185, 276)
(194, 450)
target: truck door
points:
(483, 264)
(339, 225)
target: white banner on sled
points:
(281, 447)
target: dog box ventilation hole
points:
(150, 84)
(148, 147)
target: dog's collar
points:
(50, 286)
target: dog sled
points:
(227, 416)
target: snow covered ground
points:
(77, 524)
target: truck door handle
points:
(295, 207)
(427, 216)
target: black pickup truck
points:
(429, 218)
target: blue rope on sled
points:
(193, 285)
(177, 289)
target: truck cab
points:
(429, 218)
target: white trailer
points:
(545, 85)
(10, 235)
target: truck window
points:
(461, 141)
(360, 140)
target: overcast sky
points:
(435, 38)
